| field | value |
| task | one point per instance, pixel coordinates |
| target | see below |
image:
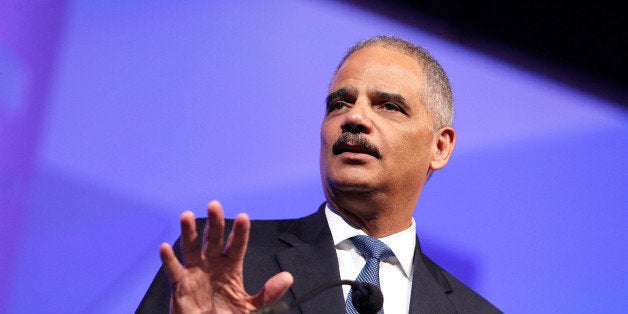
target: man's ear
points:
(442, 147)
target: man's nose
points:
(358, 118)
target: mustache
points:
(355, 142)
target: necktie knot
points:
(371, 247)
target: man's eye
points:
(390, 106)
(336, 105)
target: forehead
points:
(379, 68)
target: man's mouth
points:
(355, 143)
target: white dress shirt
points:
(395, 273)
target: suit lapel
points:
(429, 287)
(312, 260)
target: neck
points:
(377, 215)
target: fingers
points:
(238, 240)
(213, 237)
(171, 264)
(190, 244)
(273, 289)
(213, 234)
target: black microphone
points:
(366, 297)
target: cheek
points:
(327, 134)
(324, 139)
(416, 148)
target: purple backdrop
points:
(116, 116)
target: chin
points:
(353, 181)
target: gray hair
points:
(437, 94)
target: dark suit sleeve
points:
(157, 298)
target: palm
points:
(211, 280)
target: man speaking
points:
(387, 127)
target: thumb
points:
(274, 289)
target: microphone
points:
(367, 298)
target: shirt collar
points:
(401, 243)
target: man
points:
(387, 127)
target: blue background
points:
(117, 116)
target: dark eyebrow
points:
(341, 93)
(396, 98)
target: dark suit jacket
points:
(304, 247)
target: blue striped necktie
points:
(373, 251)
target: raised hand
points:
(210, 281)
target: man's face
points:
(376, 132)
